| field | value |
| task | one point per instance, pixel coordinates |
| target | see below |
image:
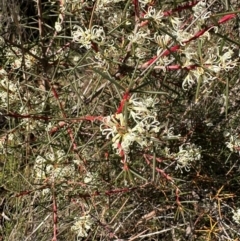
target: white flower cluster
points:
(144, 2)
(236, 216)
(99, 62)
(4, 143)
(213, 58)
(58, 26)
(137, 128)
(187, 154)
(8, 89)
(86, 37)
(234, 143)
(51, 167)
(157, 16)
(102, 5)
(203, 65)
(184, 32)
(16, 58)
(82, 226)
(200, 11)
(140, 37)
(214, 62)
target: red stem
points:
(126, 97)
(197, 35)
(136, 8)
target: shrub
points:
(119, 120)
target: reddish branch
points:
(147, 157)
(125, 98)
(197, 35)
(81, 195)
(170, 12)
(136, 8)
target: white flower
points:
(82, 226)
(50, 166)
(111, 52)
(84, 37)
(122, 143)
(114, 124)
(182, 36)
(16, 64)
(155, 15)
(142, 124)
(192, 77)
(212, 66)
(64, 171)
(3, 73)
(88, 177)
(58, 26)
(148, 125)
(46, 191)
(76, 58)
(100, 62)
(58, 156)
(116, 127)
(225, 61)
(7, 85)
(2, 41)
(138, 38)
(234, 143)
(139, 53)
(8, 90)
(164, 60)
(39, 168)
(144, 2)
(123, 137)
(169, 135)
(186, 155)
(139, 108)
(162, 40)
(176, 23)
(4, 143)
(236, 216)
(188, 81)
(178, 31)
(115, 18)
(200, 11)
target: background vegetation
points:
(119, 120)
